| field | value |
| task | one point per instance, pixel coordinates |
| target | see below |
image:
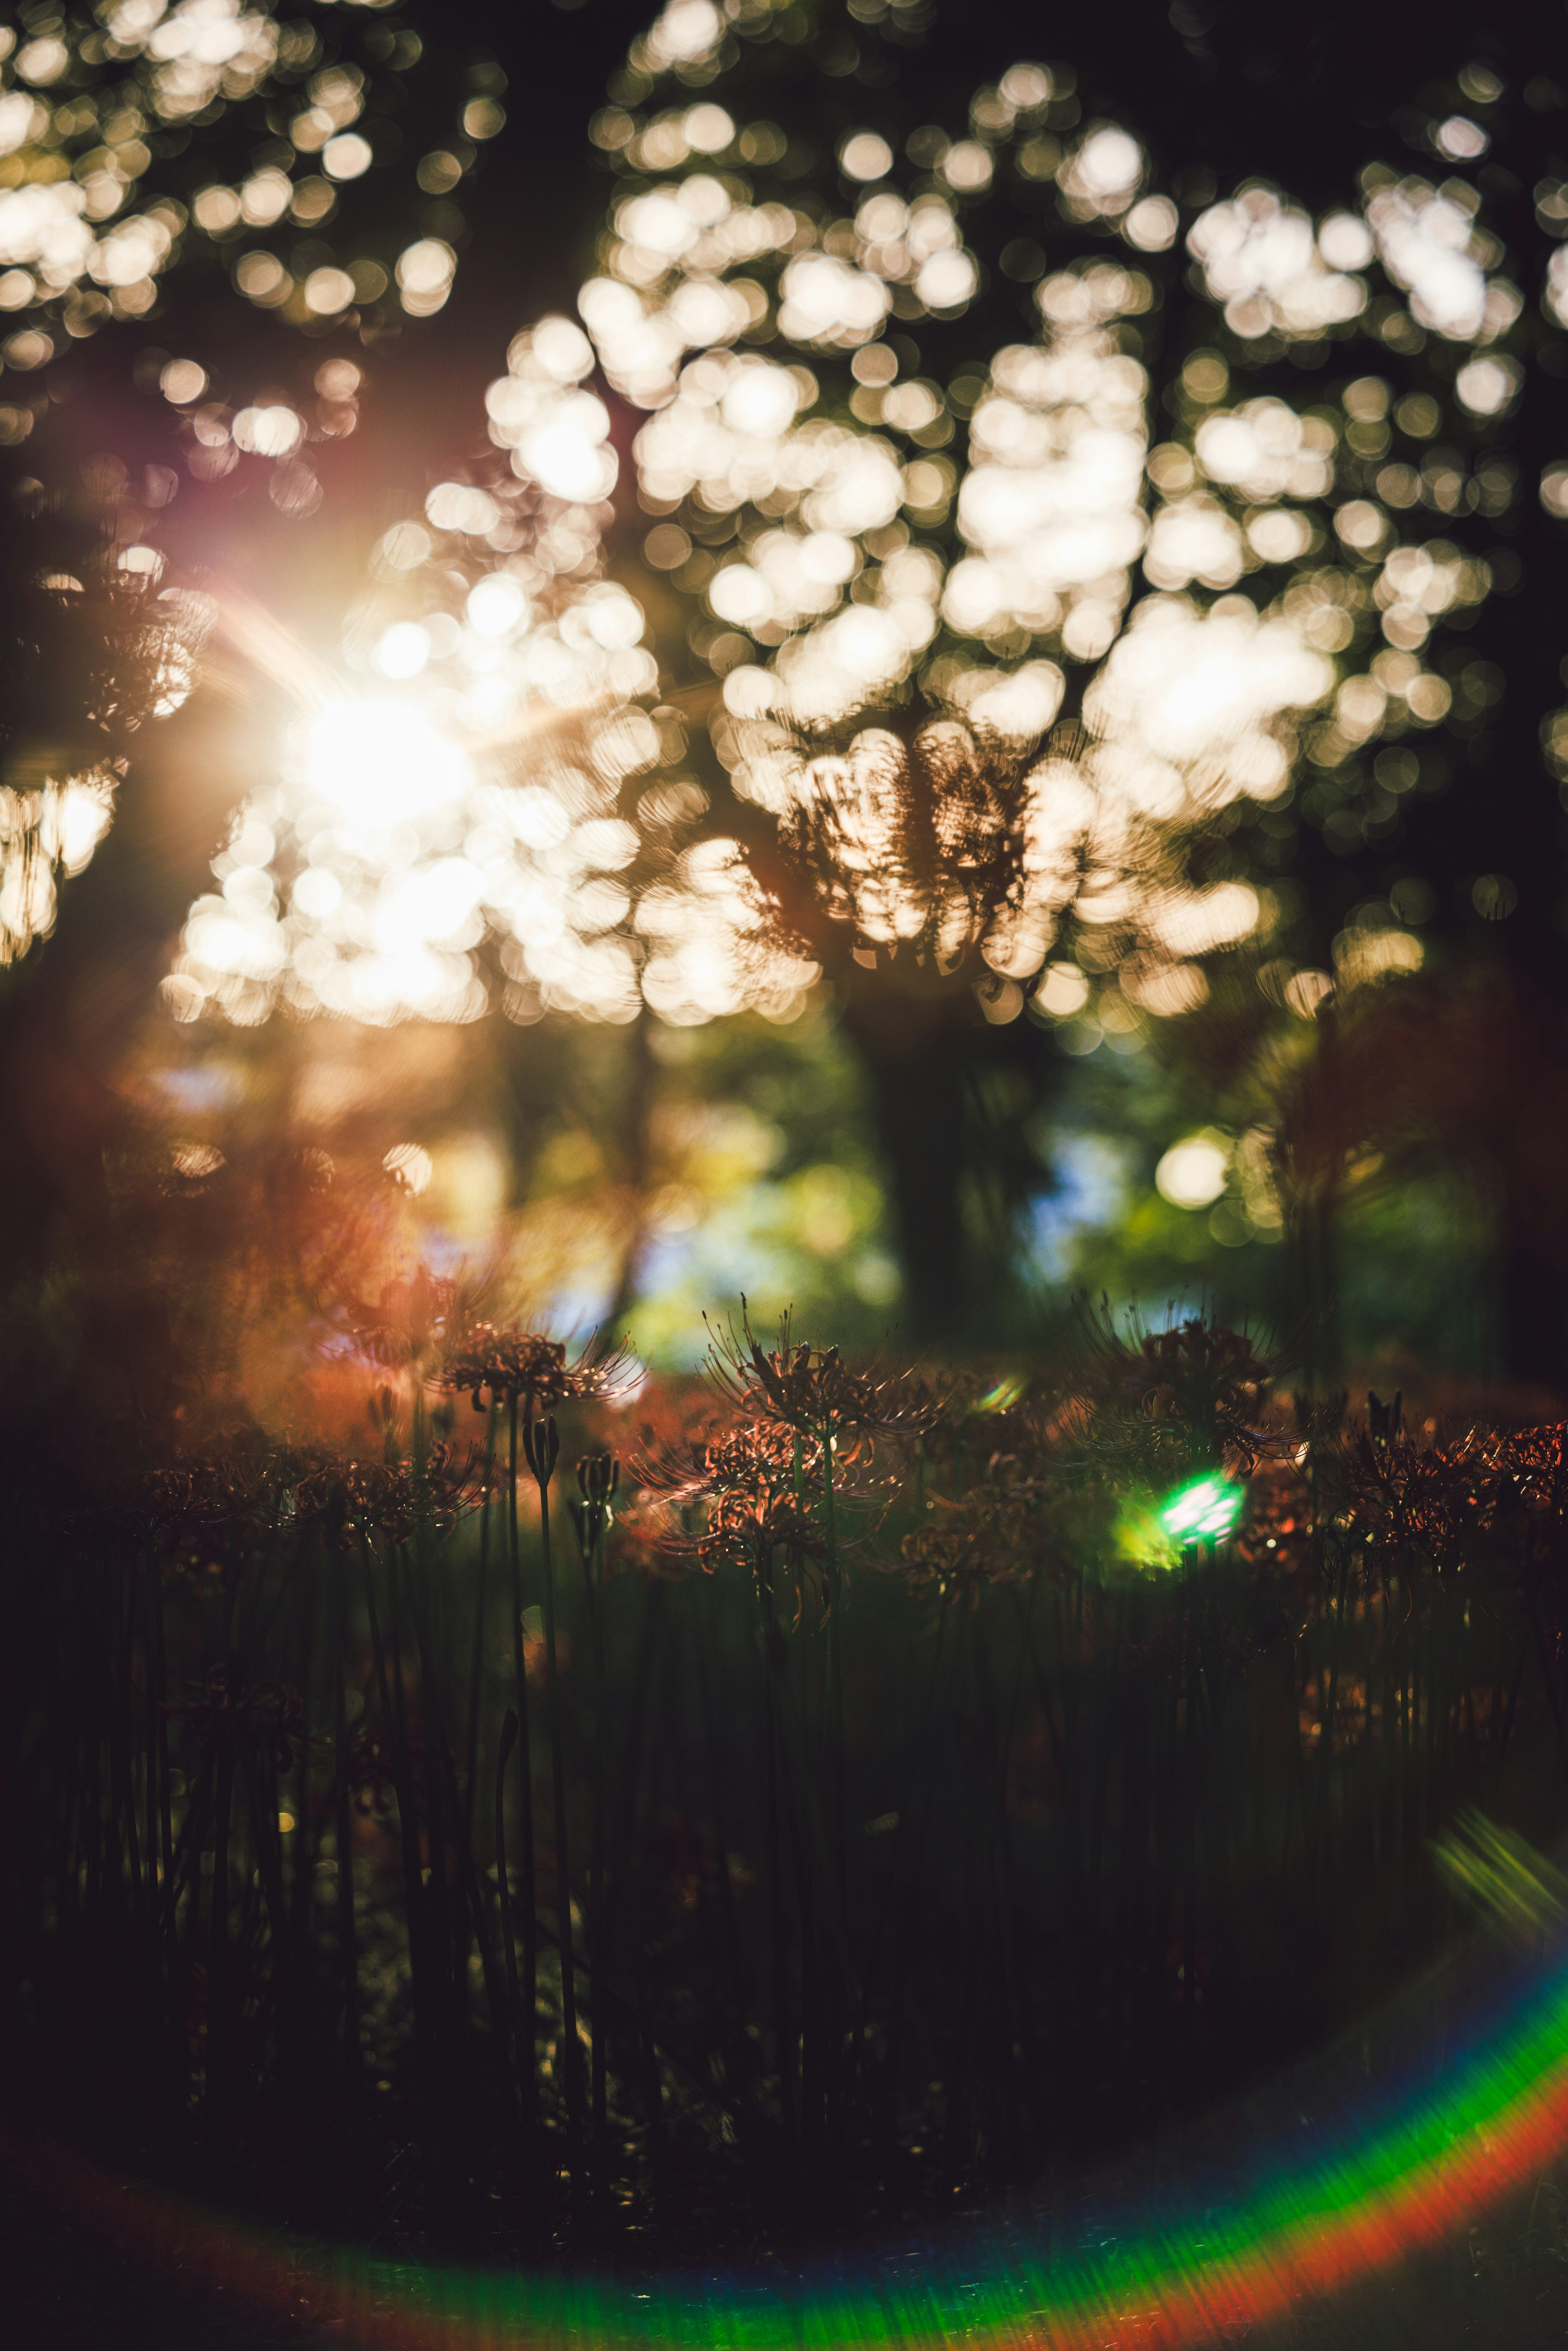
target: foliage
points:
(162, 107)
(1073, 573)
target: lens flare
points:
(1204, 1511)
(1244, 2241)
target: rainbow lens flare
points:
(1204, 1511)
(1355, 2191)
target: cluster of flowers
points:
(788, 1458)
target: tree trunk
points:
(70, 1007)
(915, 1052)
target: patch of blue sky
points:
(1093, 1177)
(577, 1309)
(747, 1245)
(446, 1255)
(200, 1086)
(731, 1252)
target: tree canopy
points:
(1068, 546)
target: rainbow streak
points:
(1395, 2185)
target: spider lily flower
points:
(505, 1366)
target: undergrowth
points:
(561, 1814)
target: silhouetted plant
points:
(940, 1809)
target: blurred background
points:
(898, 658)
(659, 663)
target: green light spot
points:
(1206, 1510)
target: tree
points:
(1262, 487)
(909, 397)
(202, 175)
